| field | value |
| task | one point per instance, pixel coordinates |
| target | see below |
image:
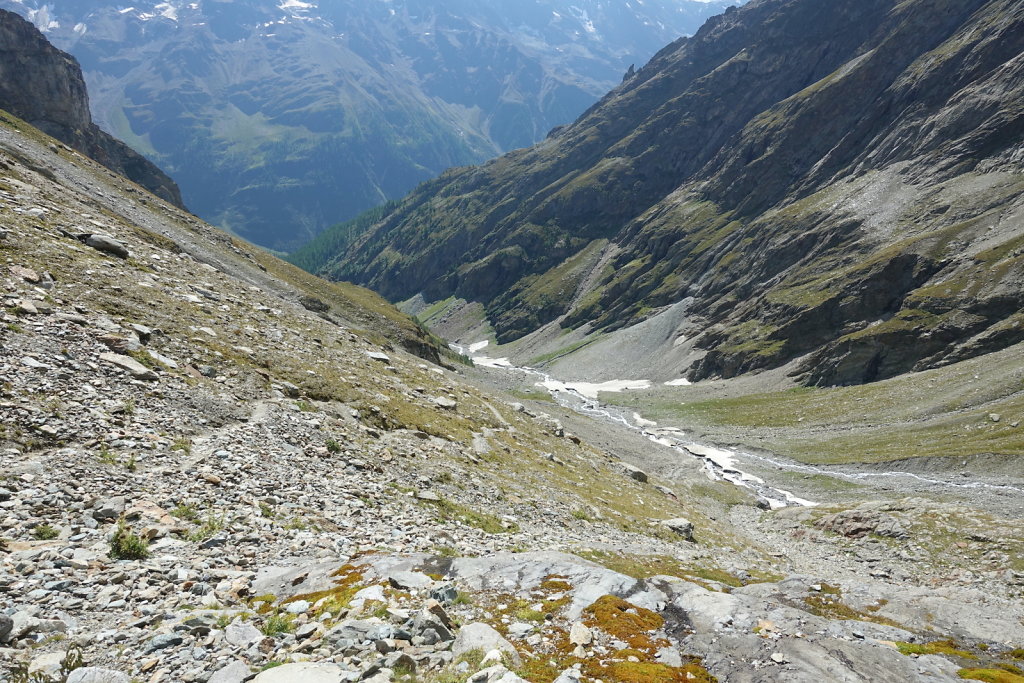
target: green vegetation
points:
(45, 532)
(73, 659)
(451, 511)
(937, 647)
(1004, 673)
(208, 528)
(335, 240)
(276, 624)
(126, 545)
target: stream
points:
(720, 464)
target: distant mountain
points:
(279, 117)
(44, 86)
(840, 182)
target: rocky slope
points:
(216, 468)
(44, 86)
(837, 182)
(279, 119)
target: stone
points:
(93, 674)
(428, 495)
(106, 244)
(681, 526)
(580, 634)
(445, 594)
(378, 356)
(162, 642)
(26, 307)
(48, 664)
(445, 402)
(6, 626)
(235, 672)
(409, 580)
(634, 472)
(298, 607)
(306, 672)
(241, 634)
(568, 676)
(480, 636)
(109, 509)
(134, 367)
(26, 274)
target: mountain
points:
(217, 467)
(44, 86)
(281, 118)
(839, 183)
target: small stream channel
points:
(720, 464)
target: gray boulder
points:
(235, 672)
(106, 244)
(480, 636)
(92, 674)
(241, 634)
(681, 526)
(306, 672)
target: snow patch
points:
(641, 422)
(591, 389)
(681, 382)
(486, 362)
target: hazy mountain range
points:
(279, 117)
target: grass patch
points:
(451, 511)
(1003, 674)
(126, 545)
(948, 648)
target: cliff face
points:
(44, 86)
(836, 180)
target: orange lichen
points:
(631, 624)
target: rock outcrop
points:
(44, 86)
(836, 180)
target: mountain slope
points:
(44, 86)
(215, 467)
(279, 119)
(840, 181)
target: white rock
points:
(480, 636)
(92, 674)
(235, 672)
(240, 634)
(306, 672)
(579, 634)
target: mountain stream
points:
(719, 463)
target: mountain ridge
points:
(738, 174)
(279, 119)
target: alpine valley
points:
(279, 118)
(745, 402)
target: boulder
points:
(235, 672)
(306, 672)
(480, 636)
(93, 674)
(106, 244)
(681, 526)
(634, 472)
(136, 369)
(241, 634)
